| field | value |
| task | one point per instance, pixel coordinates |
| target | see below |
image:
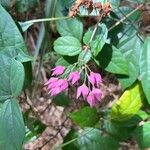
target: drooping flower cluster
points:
(89, 90)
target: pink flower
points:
(63, 84)
(51, 80)
(58, 70)
(82, 90)
(74, 77)
(94, 96)
(54, 91)
(57, 86)
(95, 78)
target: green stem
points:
(73, 140)
(46, 19)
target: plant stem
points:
(124, 18)
(95, 29)
(46, 19)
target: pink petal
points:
(92, 78)
(84, 90)
(58, 70)
(55, 91)
(95, 78)
(97, 93)
(79, 91)
(91, 100)
(74, 77)
(64, 86)
(51, 80)
(98, 77)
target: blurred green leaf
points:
(7, 3)
(129, 104)
(124, 10)
(112, 60)
(10, 35)
(67, 45)
(115, 3)
(145, 68)
(130, 48)
(133, 69)
(91, 139)
(142, 135)
(61, 100)
(12, 129)
(23, 57)
(73, 134)
(17, 75)
(118, 131)
(85, 117)
(12, 77)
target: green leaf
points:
(68, 46)
(115, 3)
(91, 139)
(69, 27)
(25, 25)
(129, 104)
(132, 42)
(7, 3)
(66, 61)
(61, 100)
(142, 135)
(70, 136)
(84, 57)
(9, 33)
(85, 117)
(118, 131)
(132, 68)
(145, 68)
(132, 122)
(16, 77)
(12, 131)
(130, 48)
(12, 77)
(143, 115)
(23, 57)
(98, 40)
(112, 60)
(124, 10)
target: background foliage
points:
(117, 46)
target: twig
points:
(95, 29)
(62, 125)
(124, 18)
(133, 25)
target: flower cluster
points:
(89, 90)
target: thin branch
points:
(132, 24)
(124, 18)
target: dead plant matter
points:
(90, 5)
